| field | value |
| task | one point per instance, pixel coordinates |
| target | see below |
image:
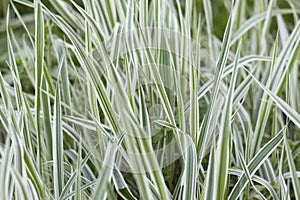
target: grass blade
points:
(58, 150)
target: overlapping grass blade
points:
(58, 149)
(224, 143)
(255, 163)
(39, 62)
(295, 179)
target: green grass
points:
(147, 99)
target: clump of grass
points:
(149, 100)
